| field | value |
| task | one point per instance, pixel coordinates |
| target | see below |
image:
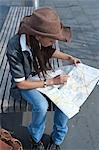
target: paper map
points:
(70, 96)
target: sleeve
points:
(16, 66)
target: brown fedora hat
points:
(45, 22)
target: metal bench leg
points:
(35, 4)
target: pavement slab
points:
(83, 17)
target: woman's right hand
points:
(60, 79)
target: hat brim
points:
(63, 35)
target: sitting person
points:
(28, 53)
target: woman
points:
(28, 54)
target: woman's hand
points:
(74, 60)
(60, 79)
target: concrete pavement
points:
(83, 17)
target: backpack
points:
(7, 142)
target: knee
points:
(42, 106)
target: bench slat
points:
(7, 94)
(2, 91)
(21, 13)
(2, 69)
(4, 28)
(7, 35)
(11, 31)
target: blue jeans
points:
(39, 111)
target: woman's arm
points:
(61, 55)
(64, 56)
(26, 84)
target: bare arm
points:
(26, 84)
(61, 55)
(64, 56)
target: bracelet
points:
(45, 84)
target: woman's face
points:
(45, 41)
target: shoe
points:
(36, 146)
(53, 146)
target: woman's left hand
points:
(75, 60)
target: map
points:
(70, 96)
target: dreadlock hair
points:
(40, 56)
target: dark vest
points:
(14, 48)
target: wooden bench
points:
(10, 27)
